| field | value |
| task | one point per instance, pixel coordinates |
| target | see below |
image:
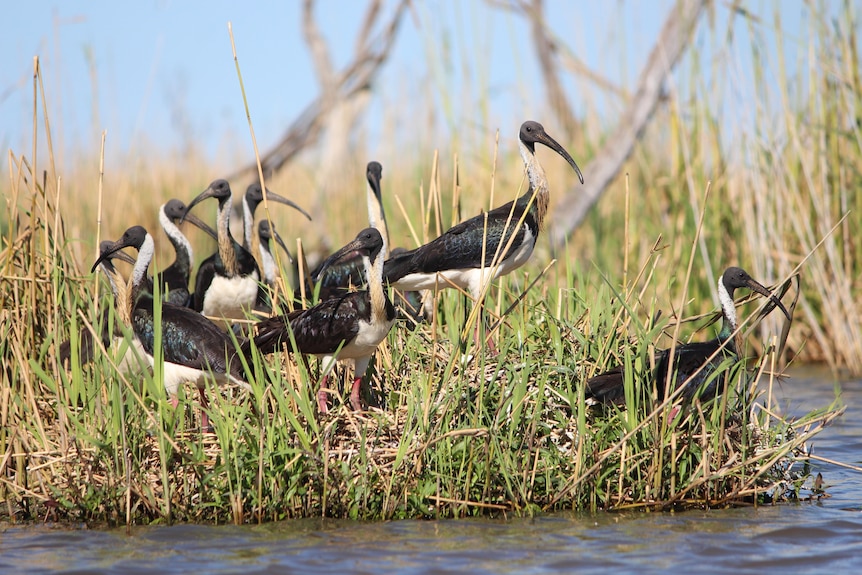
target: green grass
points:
(453, 432)
(447, 436)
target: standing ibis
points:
(251, 200)
(489, 245)
(194, 349)
(693, 363)
(232, 270)
(174, 280)
(347, 326)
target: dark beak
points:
(111, 250)
(193, 219)
(754, 286)
(544, 138)
(279, 241)
(272, 196)
(204, 195)
(353, 250)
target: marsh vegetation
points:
(449, 429)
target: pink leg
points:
(492, 346)
(323, 396)
(174, 401)
(354, 394)
(205, 420)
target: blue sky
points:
(160, 71)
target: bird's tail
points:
(606, 388)
(399, 264)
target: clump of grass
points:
(451, 431)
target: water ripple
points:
(811, 537)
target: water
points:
(799, 538)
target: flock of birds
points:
(354, 312)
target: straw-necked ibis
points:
(694, 362)
(194, 349)
(347, 326)
(489, 245)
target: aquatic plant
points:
(452, 431)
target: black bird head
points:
(177, 212)
(734, 277)
(219, 189)
(266, 233)
(533, 133)
(132, 238)
(254, 196)
(368, 243)
(106, 245)
(374, 173)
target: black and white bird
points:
(487, 246)
(693, 363)
(251, 200)
(226, 285)
(232, 271)
(347, 326)
(194, 349)
(334, 279)
(129, 354)
(174, 280)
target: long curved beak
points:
(204, 195)
(352, 250)
(282, 200)
(547, 140)
(123, 257)
(110, 250)
(277, 237)
(755, 286)
(196, 221)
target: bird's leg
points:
(205, 419)
(323, 396)
(480, 338)
(322, 393)
(354, 393)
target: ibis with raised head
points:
(174, 280)
(694, 362)
(347, 326)
(338, 278)
(194, 349)
(251, 200)
(489, 245)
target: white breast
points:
(231, 297)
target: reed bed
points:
(450, 430)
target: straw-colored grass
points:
(451, 431)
